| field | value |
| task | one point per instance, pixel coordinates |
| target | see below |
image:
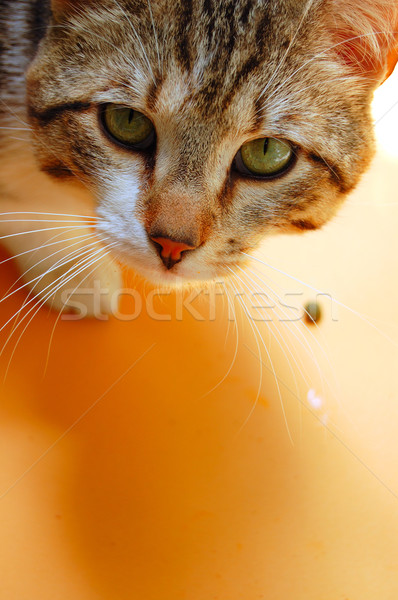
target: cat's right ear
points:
(392, 60)
(365, 35)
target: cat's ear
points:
(365, 35)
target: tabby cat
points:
(173, 135)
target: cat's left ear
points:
(365, 35)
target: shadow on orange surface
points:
(150, 489)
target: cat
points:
(174, 136)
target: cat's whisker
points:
(13, 113)
(79, 239)
(79, 267)
(276, 379)
(10, 293)
(244, 308)
(224, 377)
(302, 340)
(28, 300)
(335, 389)
(31, 281)
(284, 343)
(81, 251)
(60, 263)
(10, 128)
(106, 250)
(108, 247)
(257, 287)
(54, 286)
(87, 250)
(17, 139)
(41, 301)
(41, 247)
(316, 290)
(276, 334)
(49, 214)
(80, 222)
(229, 312)
(69, 227)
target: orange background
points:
(122, 477)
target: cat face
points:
(203, 126)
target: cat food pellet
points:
(312, 312)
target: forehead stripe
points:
(44, 117)
(183, 47)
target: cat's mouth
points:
(184, 273)
(175, 278)
(166, 270)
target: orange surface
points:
(125, 475)
(122, 477)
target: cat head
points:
(202, 126)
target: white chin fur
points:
(154, 271)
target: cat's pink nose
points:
(170, 250)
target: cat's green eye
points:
(264, 157)
(128, 126)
